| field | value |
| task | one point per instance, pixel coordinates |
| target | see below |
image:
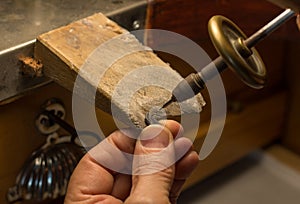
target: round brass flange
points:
(229, 42)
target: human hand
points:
(150, 176)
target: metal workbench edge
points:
(13, 84)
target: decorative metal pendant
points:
(46, 173)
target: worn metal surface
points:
(21, 21)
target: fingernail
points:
(155, 136)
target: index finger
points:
(95, 173)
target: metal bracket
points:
(13, 84)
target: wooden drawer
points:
(252, 127)
(256, 125)
(19, 136)
(190, 17)
(191, 21)
(259, 118)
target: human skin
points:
(92, 182)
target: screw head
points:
(136, 25)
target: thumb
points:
(153, 166)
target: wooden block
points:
(97, 48)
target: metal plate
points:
(23, 20)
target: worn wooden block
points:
(124, 74)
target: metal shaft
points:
(196, 81)
(269, 28)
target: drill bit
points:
(173, 99)
(195, 82)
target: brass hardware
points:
(43, 123)
(228, 40)
(45, 174)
